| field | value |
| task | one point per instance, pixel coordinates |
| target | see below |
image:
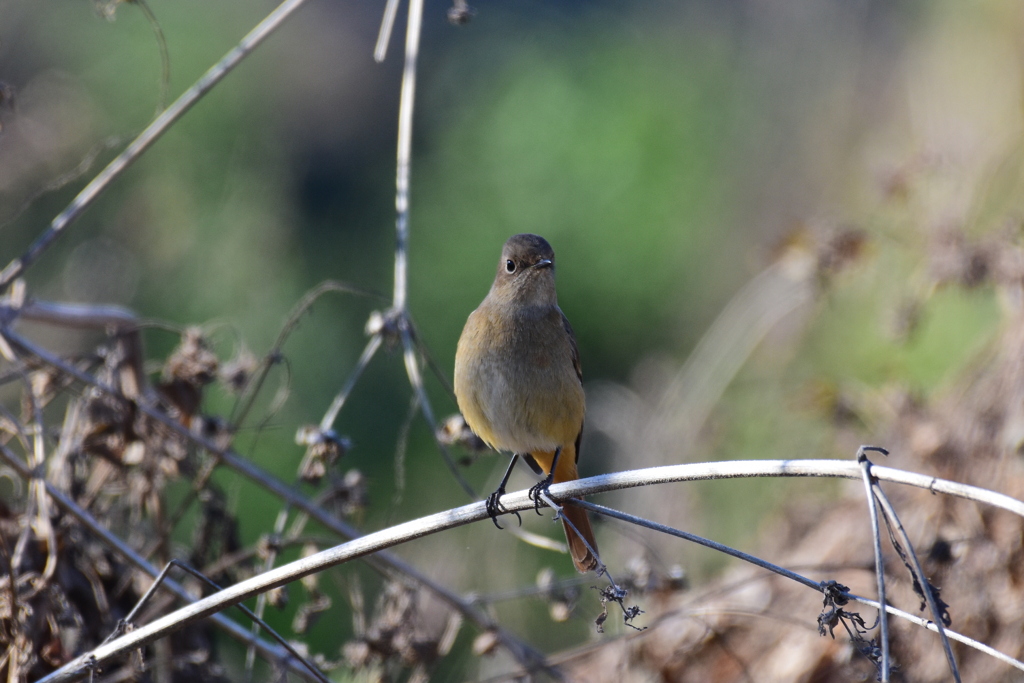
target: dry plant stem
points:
(146, 138)
(253, 387)
(952, 635)
(699, 540)
(387, 24)
(876, 537)
(403, 170)
(521, 651)
(261, 600)
(786, 573)
(12, 582)
(412, 369)
(310, 297)
(405, 109)
(39, 510)
(165, 59)
(293, 319)
(401, 448)
(245, 610)
(66, 177)
(926, 588)
(79, 315)
(419, 528)
(128, 554)
(435, 368)
(339, 401)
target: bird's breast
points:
(515, 380)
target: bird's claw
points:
(539, 489)
(495, 508)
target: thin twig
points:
(387, 24)
(434, 367)
(12, 583)
(602, 569)
(401, 447)
(406, 104)
(879, 561)
(407, 100)
(953, 635)
(310, 297)
(146, 138)
(699, 540)
(786, 573)
(261, 600)
(273, 355)
(165, 58)
(129, 554)
(893, 519)
(162, 577)
(339, 401)
(87, 316)
(412, 369)
(614, 592)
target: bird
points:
(518, 381)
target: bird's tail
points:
(585, 561)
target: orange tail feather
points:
(581, 555)
(584, 560)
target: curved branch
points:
(519, 500)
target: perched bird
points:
(518, 379)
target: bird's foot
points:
(538, 490)
(495, 508)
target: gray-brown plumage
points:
(517, 374)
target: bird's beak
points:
(543, 263)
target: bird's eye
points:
(510, 266)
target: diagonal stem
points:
(339, 401)
(915, 566)
(162, 577)
(876, 535)
(146, 138)
(412, 369)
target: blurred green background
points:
(663, 148)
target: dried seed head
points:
(193, 362)
(235, 374)
(323, 449)
(455, 432)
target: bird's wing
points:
(575, 350)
